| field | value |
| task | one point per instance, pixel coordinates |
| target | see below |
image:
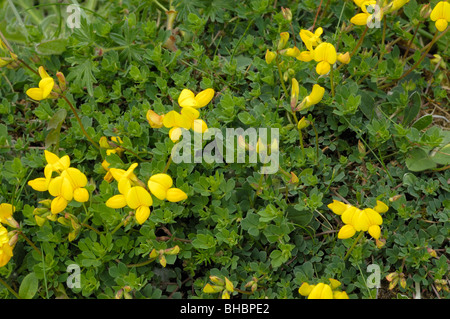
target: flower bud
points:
(425, 11)
(284, 37)
(287, 13)
(61, 80)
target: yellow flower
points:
(325, 54)
(303, 123)
(292, 52)
(381, 207)
(305, 56)
(315, 97)
(284, 37)
(159, 184)
(364, 18)
(6, 251)
(311, 39)
(441, 15)
(61, 188)
(78, 181)
(139, 199)
(155, 120)
(187, 98)
(46, 85)
(135, 197)
(321, 291)
(356, 220)
(338, 207)
(270, 56)
(175, 195)
(344, 58)
(129, 175)
(6, 212)
(397, 4)
(295, 91)
(55, 164)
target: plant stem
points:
(118, 227)
(421, 58)
(9, 288)
(332, 80)
(30, 242)
(286, 93)
(353, 245)
(169, 161)
(359, 42)
(79, 122)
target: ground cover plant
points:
(333, 181)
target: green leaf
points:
(56, 47)
(300, 217)
(246, 118)
(423, 122)
(82, 73)
(414, 108)
(418, 160)
(442, 156)
(29, 286)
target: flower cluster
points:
(220, 285)
(355, 219)
(7, 239)
(322, 290)
(134, 194)
(187, 118)
(112, 147)
(68, 185)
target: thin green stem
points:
(118, 227)
(332, 80)
(353, 245)
(169, 161)
(30, 242)
(421, 58)
(9, 288)
(281, 76)
(79, 122)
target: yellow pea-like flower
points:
(39, 184)
(346, 231)
(270, 56)
(284, 37)
(315, 97)
(199, 126)
(441, 15)
(117, 201)
(187, 98)
(138, 196)
(374, 231)
(142, 214)
(321, 291)
(344, 58)
(381, 207)
(43, 91)
(305, 289)
(325, 54)
(311, 39)
(175, 195)
(155, 120)
(159, 184)
(338, 207)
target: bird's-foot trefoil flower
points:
(315, 97)
(325, 54)
(323, 290)
(441, 15)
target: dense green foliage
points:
(378, 138)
